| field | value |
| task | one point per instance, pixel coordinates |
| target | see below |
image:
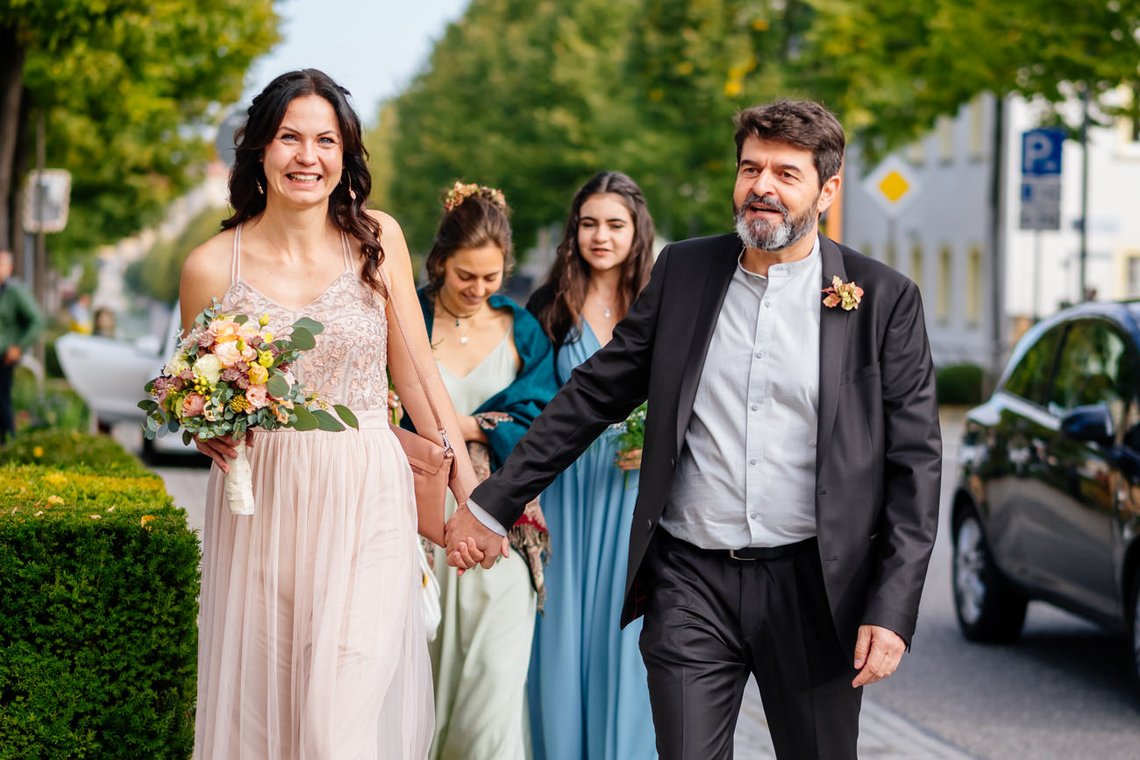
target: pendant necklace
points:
(462, 336)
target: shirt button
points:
(767, 304)
(752, 461)
(753, 516)
(755, 407)
(759, 354)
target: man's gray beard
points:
(764, 237)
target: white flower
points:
(177, 365)
(208, 367)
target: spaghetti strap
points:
(235, 263)
(345, 248)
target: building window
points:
(977, 117)
(974, 281)
(915, 153)
(945, 130)
(1132, 274)
(945, 283)
(916, 257)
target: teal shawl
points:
(532, 388)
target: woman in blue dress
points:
(587, 684)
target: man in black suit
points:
(790, 477)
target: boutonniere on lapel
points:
(845, 294)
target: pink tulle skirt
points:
(311, 640)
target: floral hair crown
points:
(460, 192)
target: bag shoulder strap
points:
(415, 363)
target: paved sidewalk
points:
(883, 735)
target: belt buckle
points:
(733, 555)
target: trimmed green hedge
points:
(98, 605)
(959, 384)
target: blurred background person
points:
(104, 321)
(498, 367)
(79, 314)
(21, 323)
(588, 691)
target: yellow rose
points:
(265, 359)
(258, 375)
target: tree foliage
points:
(126, 88)
(157, 274)
(904, 64)
(534, 97)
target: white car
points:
(110, 374)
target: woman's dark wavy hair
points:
(263, 119)
(570, 274)
(481, 218)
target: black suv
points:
(1048, 505)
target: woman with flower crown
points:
(588, 692)
(498, 367)
(311, 631)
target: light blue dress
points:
(587, 686)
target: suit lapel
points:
(832, 337)
(721, 265)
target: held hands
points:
(471, 543)
(878, 651)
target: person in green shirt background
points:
(20, 324)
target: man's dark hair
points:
(802, 123)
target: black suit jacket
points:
(878, 462)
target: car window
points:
(1091, 369)
(1030, 378)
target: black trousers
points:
(710, 621)
(7, 416)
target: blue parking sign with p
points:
(1041, 152)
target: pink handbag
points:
(433, 466)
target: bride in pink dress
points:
(311, 637)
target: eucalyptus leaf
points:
(305, 419)
(187, 437)
(346, 415)
(277, 385)
(327, 422)
(241, 319)
(303, 340)
(307, 323)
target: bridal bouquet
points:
(230, 374)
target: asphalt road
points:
(1063, 691)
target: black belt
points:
(750, 553)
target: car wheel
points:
(988, 608)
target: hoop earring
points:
(260, 189)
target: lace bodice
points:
(349, 363)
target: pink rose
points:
(193, 405)
(257, 396)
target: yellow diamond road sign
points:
(893, 184)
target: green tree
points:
(525, 96)
(125, 88)
(892, 67)
(158, 272)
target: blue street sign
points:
(1041, 152)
